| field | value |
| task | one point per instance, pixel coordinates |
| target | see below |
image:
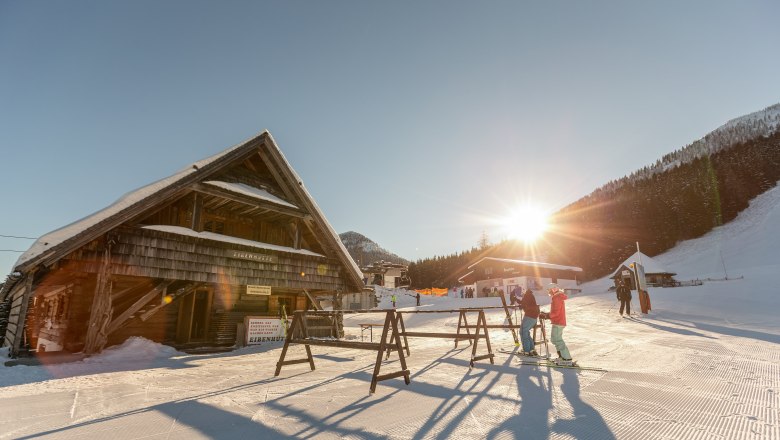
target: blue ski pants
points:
(525, 333)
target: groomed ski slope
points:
(704, 364)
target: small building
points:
(655, 274)
(386, 274)
(490, 274)
(182, 261)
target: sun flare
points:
(526, 223)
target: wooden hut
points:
(655, 273)
(182, 261)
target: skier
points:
(624, 296)
(418, 299)
(557, 317)
(531, 314)
(392, 298)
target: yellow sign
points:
(258, 290)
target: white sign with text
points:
(263, 329)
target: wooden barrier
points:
(481, 324)
(298, 334)
(393, 330)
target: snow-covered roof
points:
(314, 207)
(58, 236)
(250, 191)
(529, 264)
(464, 276)
(228, 239)
(650, 265)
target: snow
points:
(250, 191)
(228, 239)
(705, 363)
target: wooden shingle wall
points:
(161, 255)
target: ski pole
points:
(613, 306)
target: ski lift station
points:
(490, 274)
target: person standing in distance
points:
(557, 317)
(624, 296)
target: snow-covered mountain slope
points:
(741, 129)
(365, 251)
(749, 244)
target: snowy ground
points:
(704, 364)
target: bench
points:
(370, 328)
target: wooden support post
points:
(462, 318)
(481, 323)
(382, 348)
(305, 332)
(197, 208)
(102, 309)
(399, 323)
(295, 328)
(20, 324)
(390, 326)
(509, 319)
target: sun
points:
(526, 223)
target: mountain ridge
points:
(366, 251)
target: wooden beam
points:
(250, 165)
(19, 333)
(101, 310)
(149, 313)
(123, 292)
(313, 300)
(277, 176)
(197, 208)
(310, 225)
(138, 305)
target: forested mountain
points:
(365, 251)
(683, 196)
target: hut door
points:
(194, 317)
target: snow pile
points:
(134, 349)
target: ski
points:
(552, 364)
(522, 356)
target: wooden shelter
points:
(182, 261)
(655, 273)
(387, 274)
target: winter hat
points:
(552, 287)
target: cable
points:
(14, 236)
(9, 250)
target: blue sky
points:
(413, 123)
